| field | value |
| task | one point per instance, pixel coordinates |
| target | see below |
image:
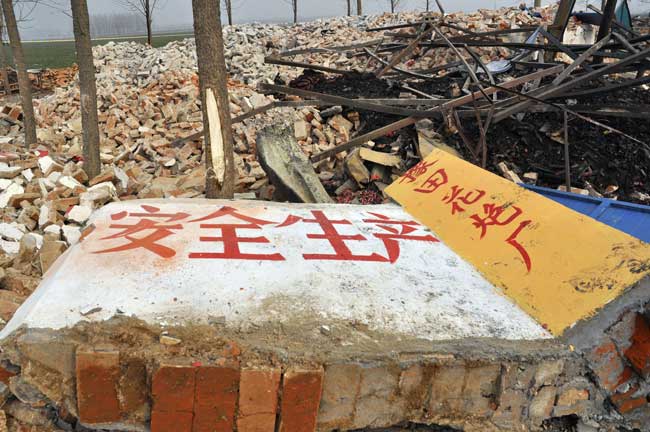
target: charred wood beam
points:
(555, 90)
(329, 50)
(446, 107)
(615, 22)
(397, 58)
(282, 62)
(353, 103)
(608, 89)
(580, 60)
(553, 40)
(395, 68)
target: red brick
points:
(5, 375)
(162, 421)
(625, 402)
(97, 381)
(173, 389)
(216, 398)
(639, 352)
(258, 399)
(607, 364)
(15, 113)
(301, 393)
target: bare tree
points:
(359, 7)
(213, 78)
(294, 9)
(227, 4)
(428, 5)
(87, 87)
(147, 8)
(123, 24)
(349, 4)
(394, 4)
(24, 83)
(3, 57)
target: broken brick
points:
(301, 393)
(173, 389)
(258, 399)
(97, 382)
(162, 421)
(639, 352)
(607, 364)
(216, 398)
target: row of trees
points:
(212, 77)
(119, 24)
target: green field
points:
(60, 53)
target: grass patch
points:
(59, 54)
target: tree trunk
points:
(609, 13)
(295, 11)
(3, 58)
(359, 7)
(213, 78)
(87, 86)
(392, 6)
(349, 7)
(428, 6)
(538, 3)
(147, 15)
(24, 83)
(229, 11)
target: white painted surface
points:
(428, 292)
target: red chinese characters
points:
(395, 231)
(334, 242)
(416, 172)
(230, 238)
(459, 199)
(147, 232)
(434, 182)
(495, 215)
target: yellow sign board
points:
(556, 264)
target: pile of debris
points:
(464, 83)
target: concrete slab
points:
(242, 262)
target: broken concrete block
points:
(13, 189)
(302, 130)
(50, 252)
(385, 159)
(79, 214)
(71, 234)
(9, 172)
(356, 169)
(12, 232)
(48, 166)
(70, 183)
(287, 166)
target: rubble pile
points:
(149, 106)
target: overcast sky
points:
(177, 14)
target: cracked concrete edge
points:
(589, 333)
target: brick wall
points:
(108, 387)
(345, 396)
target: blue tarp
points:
(633, 219)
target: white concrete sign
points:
(174, 261)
